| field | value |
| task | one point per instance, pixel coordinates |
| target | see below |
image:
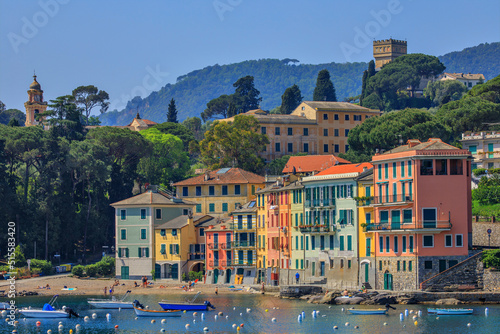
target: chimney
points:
(413, 142)
(364, 169)
(207, 176)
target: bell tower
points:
(35, 104)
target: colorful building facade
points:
(484, 147)
(219, 239)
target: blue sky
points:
(131, 48)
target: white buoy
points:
(419, 313)
(119, 309)
(241, 314)
(234, 325)
(273, 319)
(437, 318)
(108, 316)
(274, 308)
(163, 321)
(203, 316)
(317, 312)
(86, 318)
(216, 316)
(153, 321)
(94, 316)
(303, 314)
(227, 317)
(299, 318)
(385, 323)
(78, 327)
(414, 317)
(342, 309)
(4, 313)
(187, 326)
(60, 327)
(49, 331)
(162, 330)
(347, 324)
(234, 308)
(335, 327)
(469, 324)
(406, 312)
(136, 318)
(60, 323)
(486, 311)
(401, 317)
(195, 314)
(205, 329)
(194, 321)
(248, 310)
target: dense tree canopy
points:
(324, 90)
(178, 130)
(290, 99)
(444, 91)
(194, 125)
(89, 97)
(234, 144)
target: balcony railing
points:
(320, 203)
(419, 225)
(219, 245)
(243, 244)
(242, 226)
(243, 262)
(217, 263)
(316, 228)
(397, 198)
(197, 256)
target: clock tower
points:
(35, 104)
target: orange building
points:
(422, 221)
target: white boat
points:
(152, 313)
(453, 311)
(48, 311)
(368, 311)
(4, 306)
(112, 303)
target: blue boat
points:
(187, 305)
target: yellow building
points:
(366, 242)
(385, 51)
(35, 104)
(221, 191)
(314, 127)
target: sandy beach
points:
(95, 286)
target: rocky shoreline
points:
(388, 297)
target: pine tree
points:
(172, 112)
(290, 99)
(324, 90)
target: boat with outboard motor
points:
(48, 311)
(450, 311)
(141, 311)
(371, 311)
(112, 303)
(188, 305)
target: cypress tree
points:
(290, 99)
(324, 90)
(172, 112)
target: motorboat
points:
(188, 305)
(368, 311)
(112, 303)
(48, 311)
(450, 311)
(141, 311)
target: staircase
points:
(367, 285)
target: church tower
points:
(35, 104)
(385, 51)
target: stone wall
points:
(402, 279)
(467, 275)
(425, 274)
(491, 280)
(480, 235)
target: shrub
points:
(78, 270)
(184, 277)
(193, 275)
(44, 266)
(106, 266)
(479, 171)
(20, 259)
(91, 270)
(491, 258)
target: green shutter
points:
(139, 252)
(119, 252)
(410, 265)
(349, 242)
(341, 242)
(177, 248)
(170, 248)
(147, 251)
(126, 252)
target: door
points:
(240, 257)
(322, 268)
(228, 276)
(367, 265)
(395, 219)
(313, 268)
(387, 281)
(157, 271)
(429, 218)
(216, 275)
(442, 265)
(175, 271)
(124, 272)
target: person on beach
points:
(262, 289)
(136, 285)
(105, 290)
(297, 277)
(216, 290)
(47, 286)
(143, 281)
(345, 293)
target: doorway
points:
(387, 281)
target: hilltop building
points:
(35, 104)
(385, 51)
(311, 164)
(468, 79)
(484, 147)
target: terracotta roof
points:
(467, 76)
(264, 117)
(143, 122)
(223, 176)
(350, 168)
(247, 207)
(337, 106)
(416, 145)
(219, 227)
(312, 163)
(152, 198)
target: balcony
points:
(391, 199)
(418, 227)
(316, 228)
(196, 256)
(217, 263)
(242, 227)
(242, 262)
(218, 245)
(319, 203)
(243, 244)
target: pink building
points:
(218, 240)
(422, 221)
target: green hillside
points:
(272, 76)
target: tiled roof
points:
(226, 223)
(178, 222)
(231, 176)
(416, 145)
(350, 168)
(312, 163)
(366, 176)
(263, 117)
(247, 207)
(339, 106)
(467, 76)
(150, 198)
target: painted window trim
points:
(145, 215)
(427, 235)
(121, 216)
(123, 229)
(156, 213)
(450, 235)
(456, 235)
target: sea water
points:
(250, 310)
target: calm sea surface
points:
(257, 320)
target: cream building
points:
(484, 147)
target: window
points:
(473, 149)
(290, 147)
(313, 242)
(402, 169)
(174, 232)
(123, 214)
(325, 116)
(237, 189)
(409, 168)
(307, 242)
(346, 132)
(123, 233)
(411, 243)
(158, 213)
(407, 216)
(410, 265)
(379, 265)
(349, 242)
(185, 212)
(427, 264)
(198, 191)
(384, 217)
(394, 170)
(459, 240)
(404, 243)
(379, 167)
(448, 240)
(426, 167)
(456, 167)
(386, 171)
(174, 249)
(303, 108)
(163, 249)
(404, 265)
(441, 167)
(277, 131)
(306, 147)
(428, 241)
(290, 131)
(143, 251)
(341, 239)
(185, 191)
(346, 117)
(263, 130)
(325, 148)
(163, 232)
(143, 233)
(399, 265)
(198, 208)
(346, 148)
(331, 241)
(224, 190)
(306, 131)
(211, 190)
(349, 264)
(325, 132)
(336, 117)
(143, 213)
(211, 207)
(336, 148)
(224, 207)
(430, 217)
(387, 244)
(277, 147)
(336, 132)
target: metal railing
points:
(397, 198)
(419, 225)
(219, 245)
(319, 203)
(242, 244)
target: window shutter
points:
(170, 247)
(119, 252)
(177, 248)
(147, 251)
(139, 252)
(126, 252)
